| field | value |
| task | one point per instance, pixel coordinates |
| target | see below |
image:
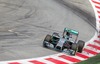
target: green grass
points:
(92, 60)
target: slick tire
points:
(47, 38)
(46, 41)
(80, 45)
(74, 48)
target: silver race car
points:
(67, 41)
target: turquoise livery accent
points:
(71, 31)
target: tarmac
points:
(25, 23)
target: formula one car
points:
(68, 41)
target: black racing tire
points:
(80, 45)
(58, 47)
(47, 38)
(63, 48)
(45, 44)
(74, 48)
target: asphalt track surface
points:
(25, 23)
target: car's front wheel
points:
(46, 41)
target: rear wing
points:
(71, 31)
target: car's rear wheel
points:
(46, 40)
(80, 45)
(58, 47)
(63, 48)
(74, 48)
